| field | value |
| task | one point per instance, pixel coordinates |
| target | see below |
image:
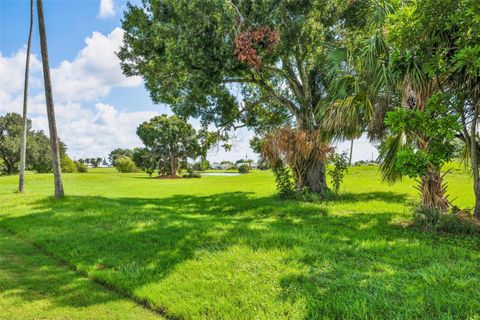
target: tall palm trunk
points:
(23, 147)
(474, 158)
(351, 152)
(57, 173)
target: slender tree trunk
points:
(52, 126)
(351, 151)
(23, 147)
(474, 159)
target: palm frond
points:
(389, 151)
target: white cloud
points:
(93, 72)
(12, 73)
(106, 9)
(90, 133)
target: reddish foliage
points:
(247, 42)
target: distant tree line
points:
(94, 162)
(38, 155)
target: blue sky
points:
(98, 109)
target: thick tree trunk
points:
(173, 168)
(433, 191)
(52, 126)
(315, 177)
(23, 146)
(314, 174)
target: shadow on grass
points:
(131, 242)
(28, 274)
(384, 196)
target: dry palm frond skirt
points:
(298, 148)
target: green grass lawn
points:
(35, 286)
(227, 248)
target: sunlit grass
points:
(227, 248)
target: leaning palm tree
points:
(23, 147)
(57, 173)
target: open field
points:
(227, 248)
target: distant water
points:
(220, 174)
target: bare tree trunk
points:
(52, 126)
(351, 151)
(23, 147)
(474, 159)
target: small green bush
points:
(340, 166)
(305, 195)
(3, 167)
(433, 220)
(191, 173)
(284, 180)
(202, 165)
(81, 167)
(67, 165)
(125, 165)
(450, 223)
(426, 218)
(244, 168)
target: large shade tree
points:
(203, 57)
(170, 140)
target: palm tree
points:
(23, 147)
(57, 173)
(372, 84)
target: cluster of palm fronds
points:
(297, 148)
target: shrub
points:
(81, 167)
(67, 165)
(3, 167)
(426, 218)
(340, 166)
(431, 219)
(244, 168)
(191, 173)
(202, 165)
(263, 165)
(305, 195)
(125, 165)
(284, 180)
